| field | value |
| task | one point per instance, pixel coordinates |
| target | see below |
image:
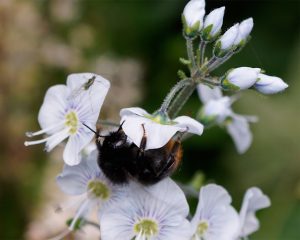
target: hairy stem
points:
(220, 62)
(202, 47)
(165, 105)
(190, 52)
(181, 99)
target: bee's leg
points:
(143, 142)
(174, 156)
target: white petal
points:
(215, 18)
(270, 84)
(75, 144)
(253, 200)
(220, 109)
(168, 192)
(76, 80)
(54, 107)
(206, 93)
(189, 124)
(240, 132)
(243, 77)
(74, 179)
(228, 38)
(72, 184)
(210, 197)
(133, 111)
(245, 28)
(194, 11)
(214, 207)
(88, 102)
(158, 135)
(224, 224)
(56, 139)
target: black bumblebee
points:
(121, 160)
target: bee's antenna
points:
(120, 128)
(97, 134)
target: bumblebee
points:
(121, 160)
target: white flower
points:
(87, 181)
(217, 109)
(245, 29)
(213, 23)
(194, 12)
(226, 41)
(157, 212)
(159, 129)
(269, 84)
(240, 78)
(254, 200)
(215, 218)
(65, 108)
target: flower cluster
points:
(127, 179)
(159, 211)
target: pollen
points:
(72, 122)
(202, 228)
(146, 227)
(98, 189)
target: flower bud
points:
(240, 78)
(212, 24)
(245, 29)
(226, 41)
(192, 17)
(269, 84)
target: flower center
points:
(146, 227)
(160, 118)
(202, 228)
(72, 122)
(98, 189)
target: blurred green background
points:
(136, 44)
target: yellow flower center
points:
(72, 122)
(202, 228)
(98, 189)
(158, 118)
(146, 227)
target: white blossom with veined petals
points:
(88, 181)
(215, 218)
(65, 108)
(158, 132)
(253, 201)
(215, 20)
(217, 109)
(156, 212)
(194, 12)
(269, 84)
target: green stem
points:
(202, 47)
(171, 94)
(190, 52)
(96, 225)
(181, 98)
(210, 81)
(220, 62)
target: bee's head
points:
(115, 139)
